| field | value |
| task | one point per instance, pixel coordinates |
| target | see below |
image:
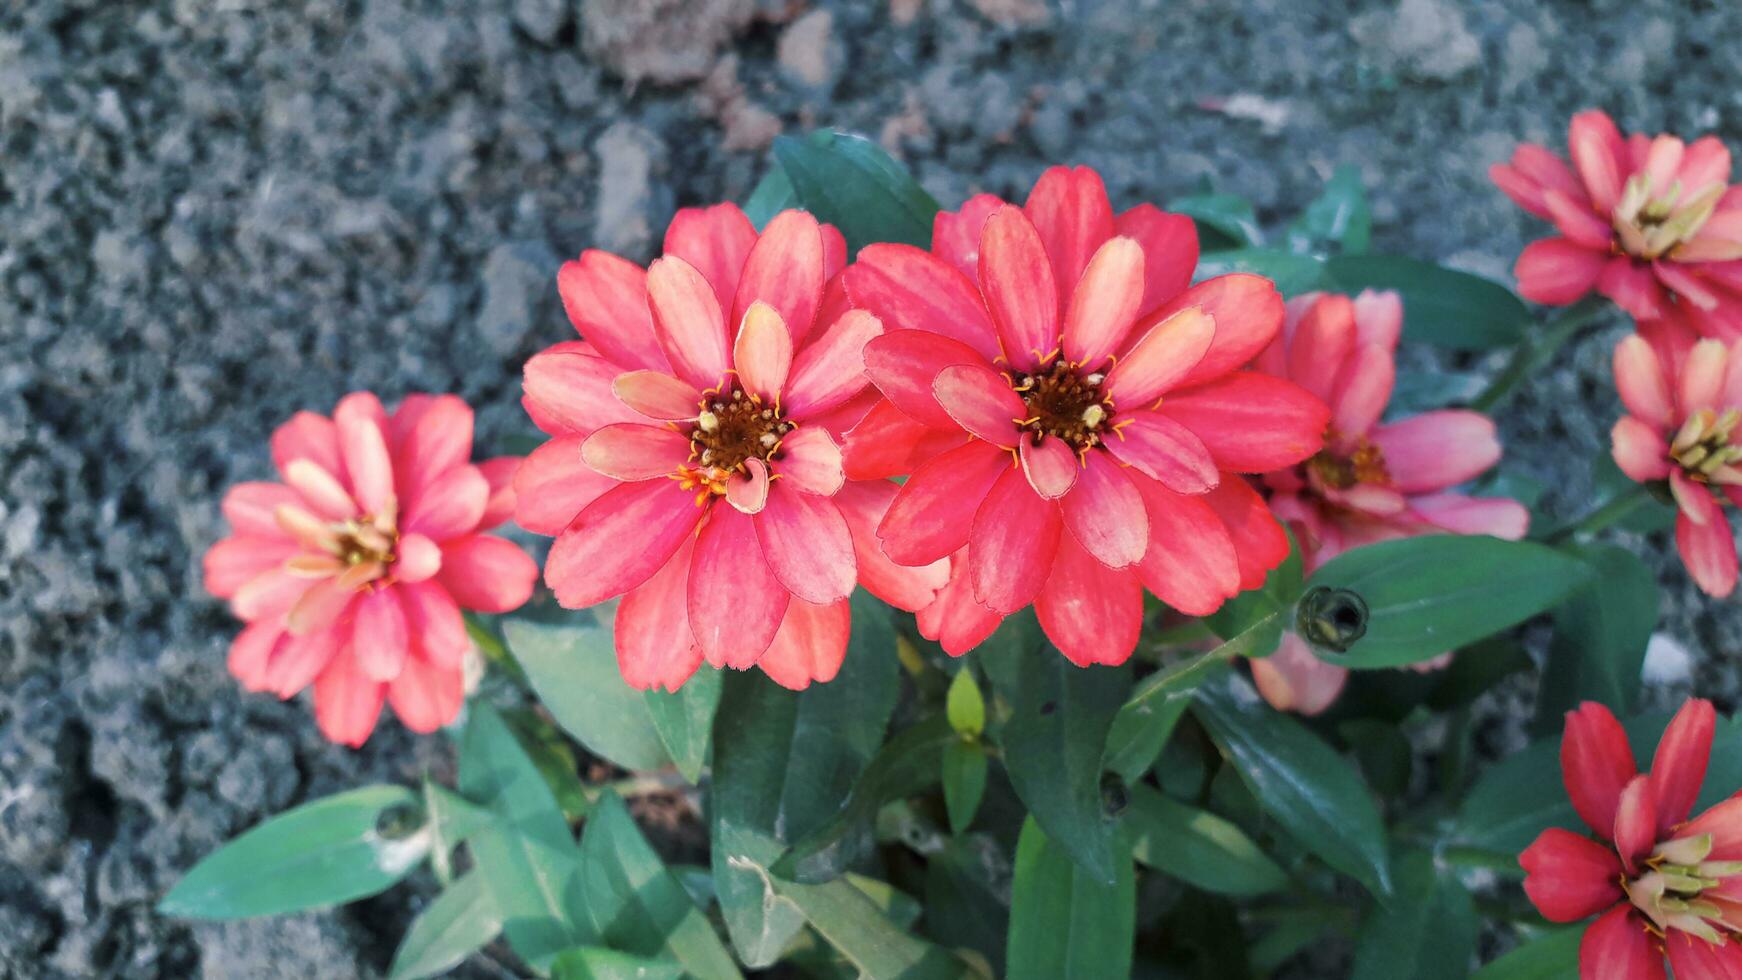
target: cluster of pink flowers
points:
(1654, 225)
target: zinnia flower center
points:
(1648, 225)
(1064, 404)
(730, 430)
(359, 550)
(1704, 449)
(1672, 890)
(1340, 471)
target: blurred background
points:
(216, 212)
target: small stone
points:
(632, 207)
(1014, 13)
(543, 20)
(809, 53)
(1426, 39)
(661, 41)
(517, 276)
(1667, 661)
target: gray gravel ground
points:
(216, 212)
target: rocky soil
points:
(216, 212)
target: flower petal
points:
(1362, 390)
(811, 644)
(863, 503)
(553, 484)
(980, 401)
(571, 393)
(1635, 822)
(735, 602)
(933, 511)
(252, 508)
(1105, 304)
(364, 447)
(589, 563)
(904, 364)
(762, 354)
(1596, 764)
(831, 368)
(909, 289)
(488, 574)
(1251, 423)
(956, 620)
(785, 270)
(321, 490)
(657, 395)
(747, 490)
(1708, 550)
(1724, 823)
(1161, 358)
(1170, 251)
(688, 321)
(451, 506)
(1292, 679)
(250, 651)
(1679, 765)
(1260, 544)
(435, 440)
(1247, 311)
(887, 443)
(435, 623)
(1051, 466)
(347, 702)
(425, 696)
(235, 561)
(1011, 543)
(1597, 150)
(1164, 450)
(1070, 212)
(297, 660)
(807, 544)
(379, 638)
(1632, 286)
(1435, 450)
(1618, 946)
(606, 300)
(1105, 513)
(810, 458)
(1017, 282)
(1702, 378)
(1321, 343)
(319, 607)
(1574, 219)
(1555, 272)
(1569, 876)
(1501, 517)
(1092, 613)
(655, 646)
(630, 452)
(1189, 562)
(716, 240)
(1639, 451)
(499, 473)
(1643, 383)
(956, 234)
(268, 595)
(307, 436)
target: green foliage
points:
(1066, 922)
(1428, 931)
(1339, 216)
(1442, 306)
(1549, 956)
(684, 720)
(1224, 220)
(1600, 635)
(849, 182)
(460, 921)
(573, 668)
(1198, 847)
(1293, 273)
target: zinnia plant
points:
(1075, 551)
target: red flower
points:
(1650, 223)
(692, 467)
(1096, 408)
(351, 574)
(1660, 884)
(1372, 481)
(1684, 399)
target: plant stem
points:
(1605, 514)
(1533, 353)
(1187, 674)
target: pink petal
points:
(747, 490)
(451, 506)
(806, 541)
(956, 235)
(933, 510)
(417, 557)
(1362, 390)
(1597, 150)
(1017, 282)
(631, 452)
(235, 561)
(1724, 822)
(785, 270)
(831, 369)
(655, 646)
(347, 702)
(956, 620)
(863, 503)
(735, 602)
(1170, 251)
(554, 484)
(1618, 946)
(1189, 562)
(1569, 876)
(762, 354)
(379, 638)
(437, 440)
(1251, 423)
(810, 646)
(1498, 516)
(1161, 358)
(1635, 822)
(321, 490)
(1641, 453)
(589, 563)
(905, 363)
(1260, 543)
(1663, 162)
(1709, 552)
(311, 437)
(887, 443)
(1435, 450)
(834, 258)
(1523, 191)
(908, 289)
(810, 458)
(1011, 543)
(980, 401)
(1693, 958)
(435, 623)
(1321, 343)
(1679, 765)
(1292, 679)
(716, 240)
(319, 607)
(1706, 162)
(364, 447)
(1574, 219)
(1247, 312)
(657, 395)
(688, 321)
(251, 508)
(1555, 272)
(267, 595)
(499, 473)
(1164, 450)
(250, 651)
(1643, 383)
(606, 300)
(1105, 303)
(1069, 208)
(1596, 764)
(487, 574)
(1092, 613)
(1678, 279)
(1702, 378)
(297, 660)
(1632, 286)
(1106, 515)
(426, 697)
(1050, 466)
(1379, 318)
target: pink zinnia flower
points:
(692, 469)
(1659, 883)
(1372, 481)
(1096, 409)
(1648, 222)
(351, 574)
(1684, 399)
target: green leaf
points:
(1314, 793)
(1428, 932)
(964, 705)
(573, 669)
(966, 898)
(859, 929)
(1293, 274)
(452, 819)
(964, 772)
(1383, 752)
(1553, 955)
(460, 921)
(1197, 847)
(637, 904)
(1140, 733)
(1339, 216)
(1065, 923)
(1440, 306)
(1270, 604)
(1426, 595)
(1182, 676)
(1056, 737)
(849, 182)
(783, 763)
(1600, 635)
(773, 194)
(684, 720)
(600, 963)
(334, 850)
(554, 756)
(1228, 215)
(526, 857)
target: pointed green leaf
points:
(964, 705)
(1600, 635)
(1228, 216)
(1293, 274)
(1552, 955)
(964, 782)
(853, 924)
(1197, 847)
(966, 898)
(1066, 924)
(601, 963)
(851, 183)
(460, 921)
(685, 719)
(334, 850)
(1427, 932)
(573, 668)
(1338, 216)
(772, 195)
